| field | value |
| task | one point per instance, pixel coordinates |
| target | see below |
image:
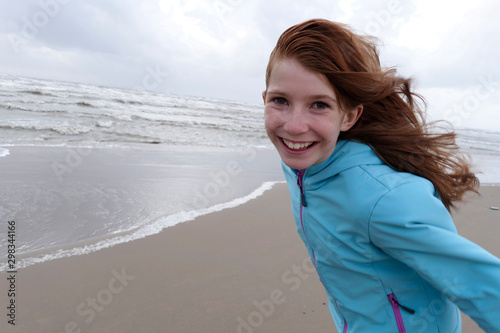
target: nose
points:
(296, 122)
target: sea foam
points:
(4, 152)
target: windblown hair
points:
(393, 122)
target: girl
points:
(371, 188)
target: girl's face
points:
(302, 118)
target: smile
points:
(297, 145)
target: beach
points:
(242, 269)
(133, 211)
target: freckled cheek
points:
(268, 123)
(271, 121)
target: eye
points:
(320, 105)
(279, 100)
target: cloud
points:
(451, 53)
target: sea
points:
(85, 167)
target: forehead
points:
(288, 75)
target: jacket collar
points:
(347, 154)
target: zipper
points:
(300, 177)
(345, 321)
(303, 203)
(396, 306)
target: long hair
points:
(393, 122)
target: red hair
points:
(393, 122)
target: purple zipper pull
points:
(300, 175)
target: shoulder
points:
(408, 203)
(391, 180)
(382, 190)
(368, 170)
(355, 170)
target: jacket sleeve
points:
(412, 225)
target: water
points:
(49, 112)
(85, 167)
(484, 149)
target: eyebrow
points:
(277, 92)
(323, 97)
(313, 97)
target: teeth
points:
(297, 146)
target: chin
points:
(296, 164)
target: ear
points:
(264, 93)
(351, 118)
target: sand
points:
(239, 270)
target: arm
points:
(412, 225)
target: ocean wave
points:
(119, 100)
(104, 123)
(61, 129)
(37, 92)
(71, 129)
(4, 152)
(142, 232)
(14, 107)
(118, 116)
(85, 104)
(20, 108)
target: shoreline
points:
(70, 200)
(88, 246)
(242, 269)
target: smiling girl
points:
(372, 186)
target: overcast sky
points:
(220, 48)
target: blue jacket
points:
(387, 250)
